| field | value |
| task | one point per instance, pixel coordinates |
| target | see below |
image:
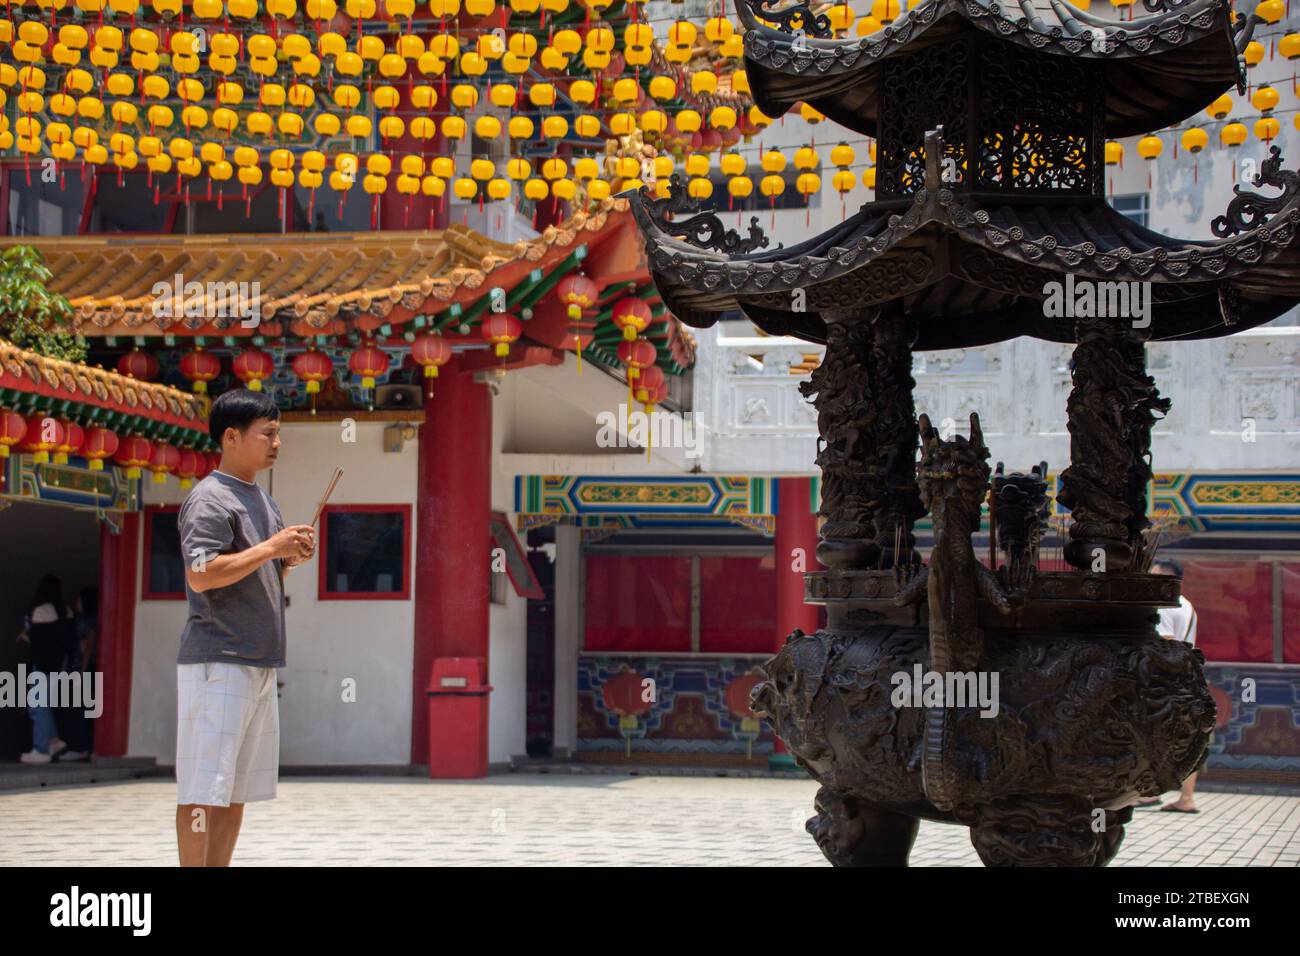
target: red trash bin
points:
(458, 718)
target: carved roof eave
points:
(436, 269)
(677, 265)
(22, 370)
(773, 51)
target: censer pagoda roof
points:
(1155, 70)
(974, 275)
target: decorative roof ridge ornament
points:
(796, 18)
(702, 230)
(1249, 210)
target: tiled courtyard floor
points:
(576, 820)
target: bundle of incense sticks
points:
(329, 490)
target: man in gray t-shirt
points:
(237, 551)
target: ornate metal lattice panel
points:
(921, 91)
(1040, 122)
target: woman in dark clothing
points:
(78, 729)
(53, 637)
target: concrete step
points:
(23, 776)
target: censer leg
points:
(1047, 830)
(852, 832)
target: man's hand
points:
(294, 544)
(306, 549)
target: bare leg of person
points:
(192, 823)
(223, 831)
(1186, 796)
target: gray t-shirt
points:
(242, 623)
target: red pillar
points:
(118, 560)
(452, 544)
(795, 550)
(796, 545)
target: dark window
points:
(365, 552)
(1136, 207)
(164, 567)
(234, 213)
(323, 214)
(42, 208)
(129, 206)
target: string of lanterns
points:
(417, 174)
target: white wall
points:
(508, 623)
(328, 641)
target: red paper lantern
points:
(736, 696)
(100, 443)
(431, 351)
(369, 363)
(632, 316)
(577, 292)
(313, 367)
(501, 329)
(189, 465)
(12, 429)
(142, 366)
(200, 367)
(623, 694)
(44, 434)
(74, 436)
(251, 366)
(636, 354)
(164, 459)
(648, 384)
(659, 394)
(133, 454)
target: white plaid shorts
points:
(227, 734)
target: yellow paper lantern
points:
(1150, 147)
(704, 82)
(557, 127)
(1265, 98)
(453, 127)
(771, 186)
(887, 11)
(1114, 153)
(502, 95)
(1267, 128)
(1233, 134)
(654, 121)
(1220, 108)
(1195, 139)
(661, 87)
(464, 96)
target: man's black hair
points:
(239, 408)
(1171, 564)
